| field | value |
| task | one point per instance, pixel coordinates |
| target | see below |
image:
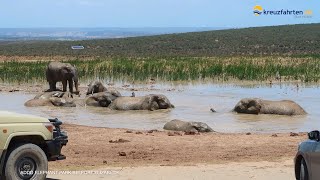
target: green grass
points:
(306, 69)
(274, 40)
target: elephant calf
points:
(100, 95)
(149, 102)
(260, 106)
(102, 99)
(51, 99)
(96, 87)
(178, 125)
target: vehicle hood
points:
(11, 117)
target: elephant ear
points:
(68, 69)
(64, 70)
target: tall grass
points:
(306, 69)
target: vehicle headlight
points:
(49, 126)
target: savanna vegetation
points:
(173, 69)
(275, 40)
(291, 52)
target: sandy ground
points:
(229, 171)
(169, 155)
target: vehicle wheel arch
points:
(298, 166)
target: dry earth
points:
(91, 148)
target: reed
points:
(306, 69)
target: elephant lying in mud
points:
(96, 87)
(55, 98)
(100, 95)
(149, 102)
(178, 125)
(260, 106)
(62, 72)
(58, 98)
(102, 99)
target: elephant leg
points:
(52, 86)
(64, 85)
(70, 85)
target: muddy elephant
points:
(96, 87)
(62, 72)
(100, 95)
(55, 98)
(163, 101)
(102, 99)
(149, 102)
(178, 125)
(260, 106)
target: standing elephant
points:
(149, 102)
(260, 106)
(62, 72)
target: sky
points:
(149, 13)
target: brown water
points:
(193, 103)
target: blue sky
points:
(149, 13)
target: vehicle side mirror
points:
(314, 135)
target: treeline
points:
(299, 40)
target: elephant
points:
(96, 87)
(59, 94)
(62, 72)
(178, 125)
(101, 99)
(100, 95)
(55, 98)
(149, 102)
(163, 101)
(260, 106)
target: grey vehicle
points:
(307, 160)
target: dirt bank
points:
(91, 148)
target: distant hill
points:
(23, 34)
(274, 40)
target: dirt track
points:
(89, 148)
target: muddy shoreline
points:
(92, 147)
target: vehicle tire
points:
(24, 160)
(304, 175)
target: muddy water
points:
(193, 103)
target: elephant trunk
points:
(90, 90)
(76, 84)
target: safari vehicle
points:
(307, 160)
(27, 143)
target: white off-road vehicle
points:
(27, 143)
